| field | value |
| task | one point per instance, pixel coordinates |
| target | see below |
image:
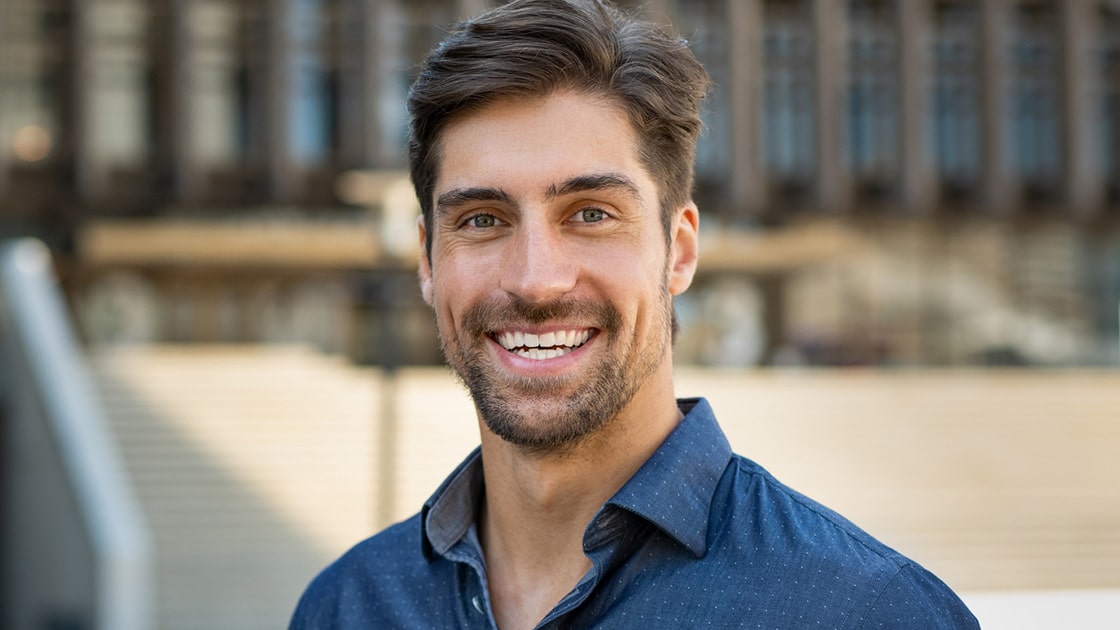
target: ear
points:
(425, 267)
(684, 250)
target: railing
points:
(75, 551)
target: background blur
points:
(219, 372)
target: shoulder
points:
(916, 598)
(759, 504)
(380, 579)
(806, 547)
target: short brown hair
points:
(532, 48)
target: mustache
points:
(498, 313)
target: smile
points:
(547, 345)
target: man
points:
(552, 148)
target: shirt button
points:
(476, 601)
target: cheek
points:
(641, 292)
(453, 293)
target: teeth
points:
(540, 354)
(544, 346)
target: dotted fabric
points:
(698, 538)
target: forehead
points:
(537, 142)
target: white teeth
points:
(544, 346)
(540, 354)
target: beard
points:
(536, 414)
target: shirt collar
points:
(450, 512)
(673, 489)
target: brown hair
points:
(535, 47)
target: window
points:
(31, 79)
(218, 93)
(313, 87)
(412, 28)
(120, 80)
(705, 25)
(788, 96)
(955, 97)
(1034, 101)
(872, 108)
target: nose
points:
(538, 267)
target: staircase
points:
(995, 480)
(255, 467)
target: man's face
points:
(549, 273)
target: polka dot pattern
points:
(698, 538)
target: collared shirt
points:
(697, 538)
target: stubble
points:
(554, 414)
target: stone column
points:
(89, 177)
(917, 183)
(172, 63)
(748, 186)
(998, 194)
(830, 21)
(1083, 178)
(277, 105)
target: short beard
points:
(606, 390)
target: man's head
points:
(532, 48)
(552, 151)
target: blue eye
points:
(482, 221)
(592, 215)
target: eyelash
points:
(604, 213)
(470, 220)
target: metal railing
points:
(76, 549)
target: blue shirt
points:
(697, 538)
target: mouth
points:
(540, 347)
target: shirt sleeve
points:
(916, 599)
(314, 610)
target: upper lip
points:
(560, 338)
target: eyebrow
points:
(462, 196)
(581, 183)
(596, 181)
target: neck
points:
(539, 504)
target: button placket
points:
(472, 583)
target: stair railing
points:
(76, 550)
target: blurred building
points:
(882, 182)
(191, 163)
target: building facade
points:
(983, 126)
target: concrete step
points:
(255, 468)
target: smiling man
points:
(552, 149)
